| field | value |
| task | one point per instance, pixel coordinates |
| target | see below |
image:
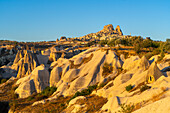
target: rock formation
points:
(25, 62)
(37, 81)
(118, 30)
(153, 73)
(63, 38)
(86, 69)
(107, 31)
(78, 73)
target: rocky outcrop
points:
(7, 56)
(25, 62)
(107, 31)
(63, 38)
(37, 81)
(131, 62)
(81, 71)
(118, 30)
(18, 56)
(55, 55)
(153, 73)
(55, 76)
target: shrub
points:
(126, 108)
(14, 87)
(62, 104)
(147, 43)
(107, 69)
(40, 97)
(101, 85)
(84, 92)
(13, 105)
(111, 42)
(144, 87)
(30, 98)
(3, 81)
(148, 55)
(15, 96)
(156, 51)
(103, 42)
(137, 48)
(129, 87)
(167, 46)
(167, 40)
(161, 56)
(47, 111)
(48, 91)
(90, 43)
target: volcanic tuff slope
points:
(86, 69)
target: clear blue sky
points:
(39, 20)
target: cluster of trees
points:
(145, 43)
(138, 42)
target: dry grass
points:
(93, 103)
(54, 106)
(107, 69)
(8, 91)
(154, 98)
(157, 97)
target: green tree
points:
(103, 42)
(137, 48)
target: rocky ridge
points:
(107, 31)
(86, 69)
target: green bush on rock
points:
(84, 92)
(129, 87)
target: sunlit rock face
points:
(82, 70)
(107, 31)
(25, 62)
(36, 81)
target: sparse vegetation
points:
(30, 98)
(129, 87)
(103, 42)
(148, 55)
(144, 87)
(90, 43)
(102, 85)
(126, 108)
(156, 97)
(12, 92)
(84, 92)
(3, 81)
(48, 91)
(107, 69)
(13, 105)
(93, 103)
(137, 48)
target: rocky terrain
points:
(79, 75)
(107, 32)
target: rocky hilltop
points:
(107, 31)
